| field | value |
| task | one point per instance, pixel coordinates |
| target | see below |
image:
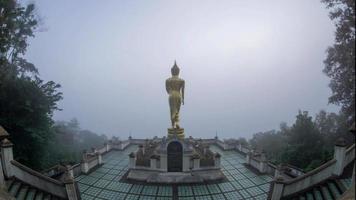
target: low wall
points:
(92, 162)
(255, 163)
(38, 180)
(101, 149)
(245, 150)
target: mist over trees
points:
(27, 102)
(69, 142)
(307, 143)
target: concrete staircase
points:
(23, 191)
(332, 189)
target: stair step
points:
(310, 196)
(346, 182)
(317, 194)
(39, 196)
(31, 194)
(14, 189)
(22, 193)
(47, 197)
(302, 197)
(340, 186)
(334, 191)
(326, 193)
(9, 183)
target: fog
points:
(248, 65)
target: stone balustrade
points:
(10, 168)
(343, 156)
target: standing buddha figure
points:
(175, 90)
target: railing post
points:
(263, 163)
(217, 161)
(132, 161)
(339, 156)
(71, 186)
(2, 178)
(278, 187)
(196, 161)
(100, 158)
(153, 162)
(84, 164)
(6, 156)
(248, 157)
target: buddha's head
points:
(175, 69)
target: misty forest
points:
(28, 102)
(58, 114)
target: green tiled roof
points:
(104, 182)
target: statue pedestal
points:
(179, 132)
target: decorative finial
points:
(175, 69)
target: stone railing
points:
(10, 168)
(314, 177)
(271, 168)
(38, 180)
(343, 156)
(90, 161)
(76, 169)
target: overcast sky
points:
(248, 64)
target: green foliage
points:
(306, 144)
(69, 142)
(271, 142)
(26, 102)
(340, 61)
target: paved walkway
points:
(104, 182)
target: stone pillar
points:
(7, 156)
(84, 166)
(71, 187)
(263, 163)
(186, 162)
(339, 156)
(107, 146)
(153, 163)
(248, 157)
(2, 178)
(100, 158)
(196, 161)
(217, 161)
(164, 161)
(132, 161)
(278, 187)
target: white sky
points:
(248, 64)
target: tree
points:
(340, 61)
(272, 142)
(26, 102)
(68, 143)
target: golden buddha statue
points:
(175, 89)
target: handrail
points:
(348, 150)
(314, 171)
(38, 180)
(35, 173)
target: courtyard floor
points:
(104, 182)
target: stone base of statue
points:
(176, 132)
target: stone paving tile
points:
(104, 183)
